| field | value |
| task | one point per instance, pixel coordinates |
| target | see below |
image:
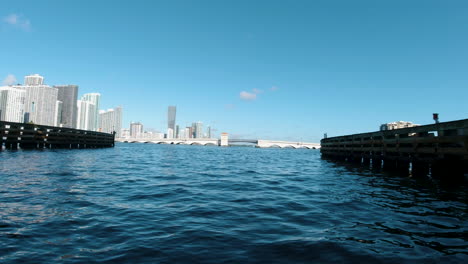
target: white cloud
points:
(274, 88)
(248, 96)
(9, 80)
(256, 91)
(18, 21)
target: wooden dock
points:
(439, 150)
(31, 136)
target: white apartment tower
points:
(86, 118)
(58, 113)
(111, 121)
(12, 104)
(40, 104)
(93, 98)
(33, 79)
(136, 130)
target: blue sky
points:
(265, 69)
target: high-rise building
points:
(197, 129)
(111, 121)
(40, 103)
(136, 130)
(177, 132)
(68, 95)
(182, 133)
(170, 133)
(171, 117)
(12, 104)
(94, 98)
(58, 113)
(86, 117)
(189, 132)
(33, 79)
(208, 132)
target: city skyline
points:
(57, 105)
(336, 69)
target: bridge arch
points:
(274, 146)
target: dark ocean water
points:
(144, 203)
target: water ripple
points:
(143, 203)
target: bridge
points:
(224, 141)
(261, 143)
(173, 141)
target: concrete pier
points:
(30, 136)
(439, 150)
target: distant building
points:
(182, 133)
(189, 132)
(58, 113)
(158, 135)
(111, 121)
(125, 133)
(396, 125)
(197, 130)
(208, 132)
(12, 104)
(170, 133)
(146, 134)
(33, 79)
(86, 119)
(136, 130)
(171, 117)
(93, 98)
(68, 95)
(40, 102)
(177, 132)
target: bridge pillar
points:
(224, 142)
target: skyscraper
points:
(12, 104)
(197, 129)
(136, 130)
(111, 120)
(171, 117)
(170, 133)
(86, 117)
(68, 95)
(93, 98)
(33, 79)
(40, 104)
(58, 113)
(188, 132)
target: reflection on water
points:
(162, 203)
